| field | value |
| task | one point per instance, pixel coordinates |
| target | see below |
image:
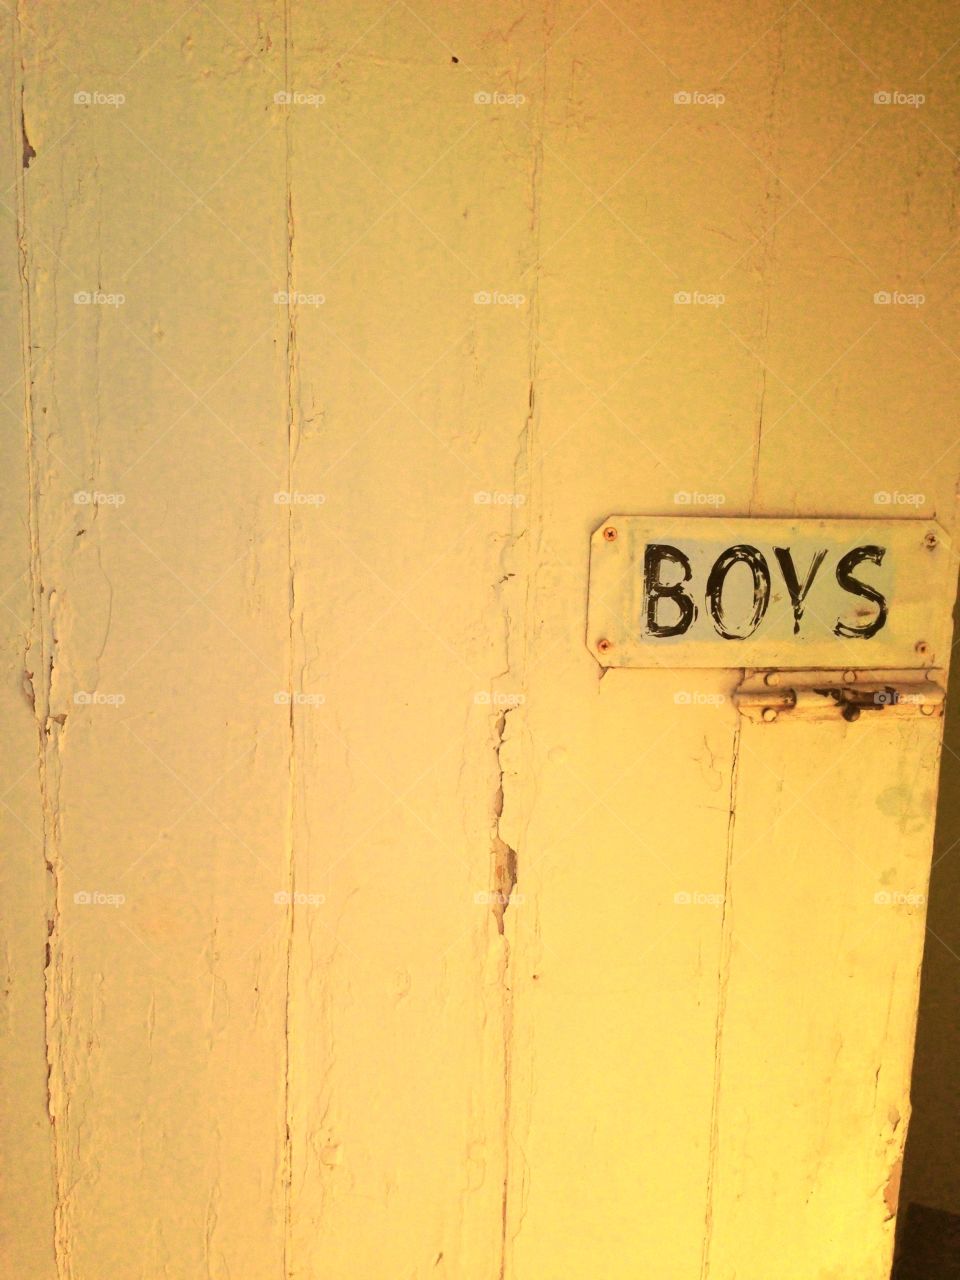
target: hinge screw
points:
(769, 714)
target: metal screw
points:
(930, 539)
(927, 709)
(604, 646)
(849, 677)
(610, 533)
(922, 647)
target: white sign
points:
(757, 592)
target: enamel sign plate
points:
(705, 592)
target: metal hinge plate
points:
(839, 695)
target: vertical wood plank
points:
(410, 395)
(154, 228)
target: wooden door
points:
(357, 921)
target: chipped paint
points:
(355, 923)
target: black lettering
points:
(752, 558)
(849, 583)
(798, 593)
(655, 590)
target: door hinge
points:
(845, 695)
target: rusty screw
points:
(604, 646)
(930, 539)
(610, 533)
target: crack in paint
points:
(767, 254)
(291, 396)
(504, 855)
(507, 866)
(39, 664)
(27, 151)
(726, 938)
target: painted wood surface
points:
(354, 923)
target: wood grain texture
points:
(387, 935)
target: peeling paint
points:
(411, 979)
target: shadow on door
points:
(929, 1231)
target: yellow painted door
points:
(357, 922)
